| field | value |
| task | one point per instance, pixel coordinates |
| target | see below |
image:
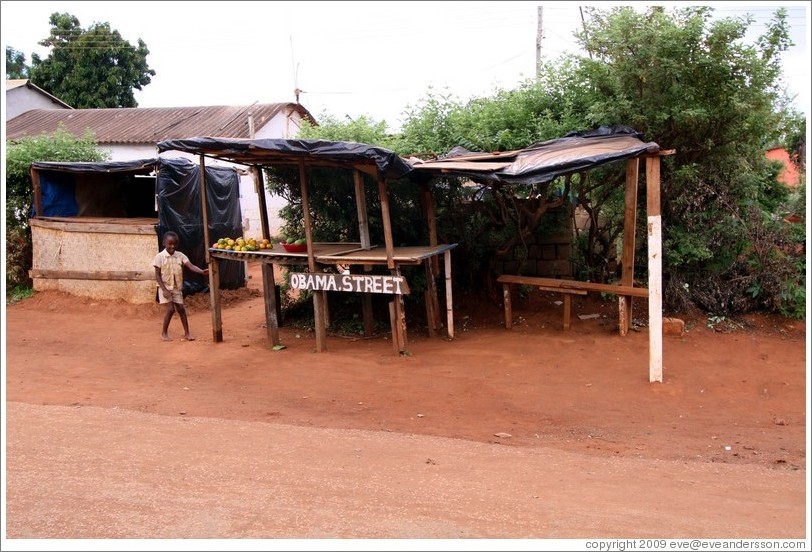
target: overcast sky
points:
(348, 58)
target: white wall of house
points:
(22, 99)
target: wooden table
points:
(343, 254)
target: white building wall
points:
(22, 99)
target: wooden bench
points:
(567, 288)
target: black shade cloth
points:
(269, 152)
(179, 210)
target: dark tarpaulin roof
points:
(543, 161)
(269, 152)
(140, 166)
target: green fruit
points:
(300, 242)
(291, 241)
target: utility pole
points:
(539, 36)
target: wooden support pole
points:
(655, 269)
(361, 208)
(271, 306)
(35, 183)
(387, 224)
(429, 314)
(214, 295)
(431, 221)
(204, 210)
(363, 233)
(432, 303)
(508, 306)
(629, 231)
(400, 313)
(393, 323)
(567, 310)
(449, 300)
(211, 262)
(259, 186)
(318, 296)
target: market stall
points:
(382, 165)
(96, 225)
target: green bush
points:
(20, 154)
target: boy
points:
(169, 265)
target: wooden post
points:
(432, 305)
(387, 224)
(363, 232)
(37, 192)
(271, 306)
(400, 314)
(508, 306)
(318, 296)
(629, 231)
(431, 221)
(393, 323)
(204, 209)
(655, 264)
(259, 186)
(214, 295)
(567, 310)
(449, 301)
(213, 265)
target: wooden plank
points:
(387, 224)
(271, 307)
(80, 225)
(629, 234)
(112, 275)
(655, 300)
(557, 285)
(563, 291)
(402, 255)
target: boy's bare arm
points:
(193, 268)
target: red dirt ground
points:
(731, 396)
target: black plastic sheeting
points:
(180, 210)
(138, 166)
(543, 161)
(269, 152)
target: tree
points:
(90, 68)
(690, 82)
(16, 67)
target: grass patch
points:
(18, 293)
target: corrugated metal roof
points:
(150, 125)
